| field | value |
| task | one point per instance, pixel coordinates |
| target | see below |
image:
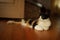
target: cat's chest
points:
(44, 22)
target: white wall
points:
(12, 10)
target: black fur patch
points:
(35, 23)
(30, 22)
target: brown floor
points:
(17, 32)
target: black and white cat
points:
(41, 23)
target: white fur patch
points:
(22, 22)
(37, 27)
(44, 23)
(10, 22)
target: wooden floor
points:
(17, 32)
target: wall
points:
(31, 11)
(55, 9)
(14, 9)
(46, 3)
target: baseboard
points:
(16, 19)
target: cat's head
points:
(45, 14)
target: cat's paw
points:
(46, 28)
(37, 27)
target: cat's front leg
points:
(37, 27)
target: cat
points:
(41, 23)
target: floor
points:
(18, 32)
